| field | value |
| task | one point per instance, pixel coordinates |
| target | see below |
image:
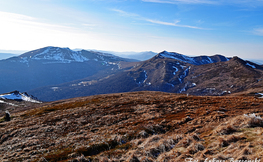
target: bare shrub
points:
(176, 138)
(169, 156)
(246, 151)
(185, 142)
(233, 138)
(82, 159)
(158, 144)
(146, 159)
(7, 116)
(150, 140)
(194, 148)
(221, 157)
(223, 142)
(143, 134)
(196, 137)
(225, 129)
(104, 159)
(255, 121)
(133, 158)
(242, 158)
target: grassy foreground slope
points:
(137, 126)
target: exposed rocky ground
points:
(136, 126)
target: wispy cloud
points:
(27, 21)
(258, 31)
(23, 32)
(250, 3)
(153, 21)
(183, 1)
(172, 24)
(124, 13)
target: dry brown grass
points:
(138, 126)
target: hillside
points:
(137, 126)
(168, 72)
(54, 65)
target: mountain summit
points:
(55, 65)
(65, 55)
(168, 72)
(54, 73)
(18, 96)
(199, 60)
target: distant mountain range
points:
(142, 56)
(168, 72)
(54, 73)
(54, 65)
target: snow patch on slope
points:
(248, 64)
(65, 56)
(176, 70)
(190, 60)
(18, 96)
(7, 103)
(177, 56)
(142, 78)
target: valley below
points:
(135, 126)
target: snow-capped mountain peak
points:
(16, 95)
(199, 60)
(51, 54)
(64, 55)
(176, 56)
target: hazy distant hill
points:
(142, 56)
(6, 55)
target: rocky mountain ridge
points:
(18, 96)
(198, 60)
(65, 55)
(170, 72)
(54, 73)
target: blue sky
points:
(191, 27)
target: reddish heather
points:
(137, 126)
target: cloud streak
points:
(258, 31)
(250, 3)
(26, 21)
(25, 32)
(183, 1)
(175, 23)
